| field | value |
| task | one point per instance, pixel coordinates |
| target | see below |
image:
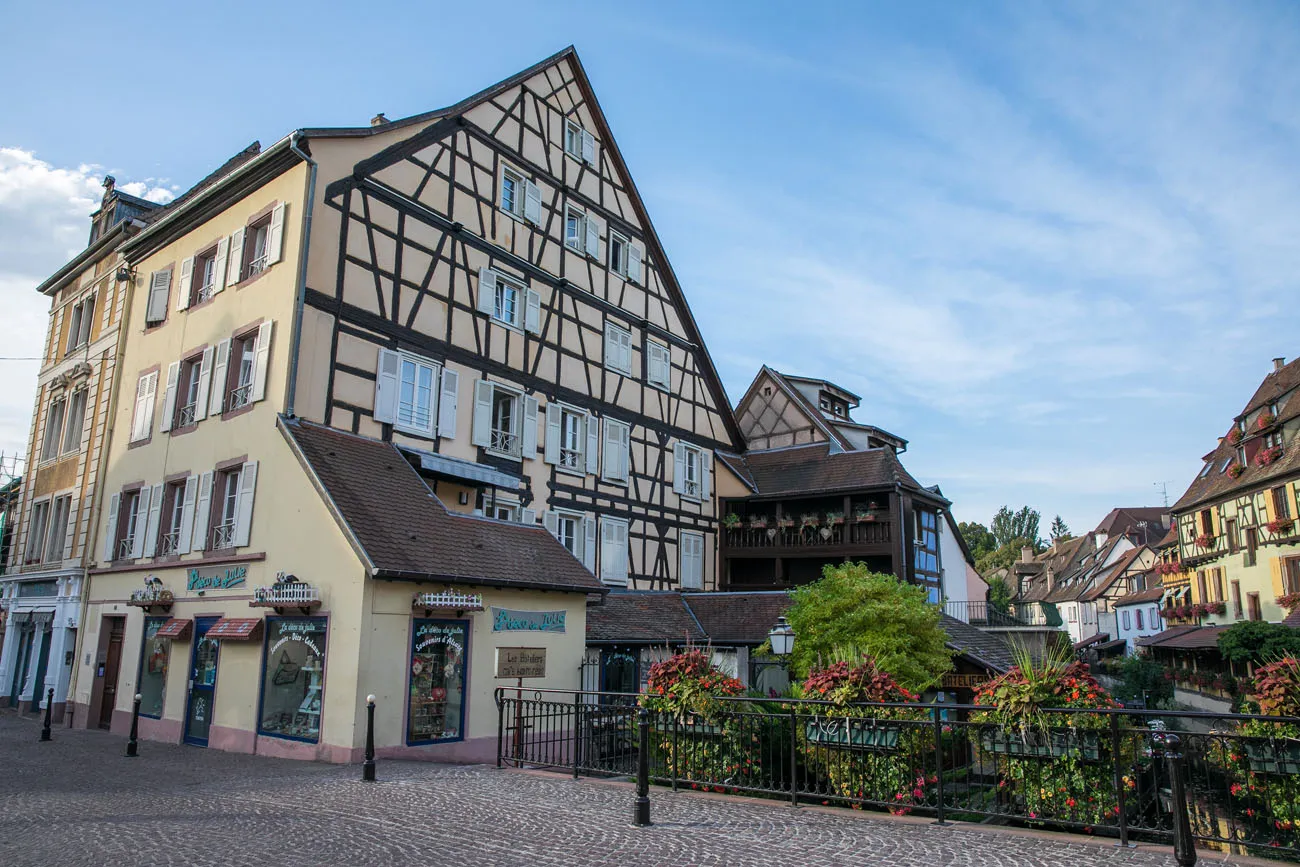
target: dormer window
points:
(826, 404)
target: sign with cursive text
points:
(508, 620)
(232, 577)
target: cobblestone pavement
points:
(77, 801)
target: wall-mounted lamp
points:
(125, 274)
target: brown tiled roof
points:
(1150, 595)
(1293, 619)
(737, 617)
(985, 648)
(1169, 539)
(1179, 636)
(406, 533)
(1117, 571)
(1217, 484)
(736, 463)
(637, 618)
(813, 469)
(1127, 519)
(1091, 640)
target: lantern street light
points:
(781, 637)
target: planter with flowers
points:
(1280, 526)
(731, 521)
(699, 738)
(1205, 540)
(862, 514)
(1290, 601)
(785, 522)
(1264, 457)
(866, 753)
(757, 522)
(1236, 471)
(1235, 436)
(809, 521)
(1054, 764)
(1265, 421)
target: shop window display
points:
(437, 697)
(154, 654)
(293, 676)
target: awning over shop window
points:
(236, 629)
(33, 616)
(178, 628)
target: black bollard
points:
(132, 743)
(1184, 845)
(49, 709)
(641, 808)
(368, 767)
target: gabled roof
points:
(1185, 638)
(1151, 594)
(1129, 519)
(828, 425)
(1217, 484)
(744, 618)
(643, 618)
(402, 532)
(1114, 573)
(985, 648)
(811, 469)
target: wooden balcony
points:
(826, 540)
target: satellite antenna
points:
(1164, 491)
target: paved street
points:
(76, 801)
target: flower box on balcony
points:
(834, 519)
(1268, 456)
(691, 726)
(810, 521)
(151, 597)
(1276, 757)
(1234, 436)
(863, 517)
(758, 522)
(1205, 540)
(785, 523)
(1290, 601)
(1037, 745)
(851, 733)
(731, 521)
(1280, 526)
(1265, 421)
(1236, 471)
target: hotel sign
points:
(507, 620)
(521, 662)
(232, 577)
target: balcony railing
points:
(239, 397)
(169, 543)
(124, 548)
(570, 458)
(981, 613)
(828, 536)
(506, 442)
(223, 536)
(292, 594)
(206, 291)
(257, 265)
(185, 415)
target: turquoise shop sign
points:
(508, 620)
(232, 577)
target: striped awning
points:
(178, 629)
(236, 629)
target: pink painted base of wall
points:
(231, 740)
(472, 751)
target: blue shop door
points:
(22, 659)
(203, 683)
(42, 665)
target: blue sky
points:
(1053, 245)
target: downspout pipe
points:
(295, 338)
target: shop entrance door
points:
(112, 665)
(45, 639)
(22, 659)
(203, 683)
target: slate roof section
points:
(1293, 619)
(1218, 484)
(403, 532)
(1131, 519)
(1153, 594)
(1187, 638)
(744, 618)
(812, 469)
(643, 618)
(1168, 635)
(986, 648)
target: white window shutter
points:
(593, 237)
(216, 402)
(159, 288)
(530, 427)
(200, 511)
(169, 397)
(141, 523)
(151, 528)
(679, 467)
(235, 264)
(261, 359)
(386, 386)
(532, 202)
(447, 403)
(487, 290)
(110, 528)
(275, 235)
(533, 312)
(219, 264)
(551, 522)
(553, 420)
(588, 147)
(481, 434)
(593, 443)
(706, 475)
(633, 263)
(187, 495)
(139, 428)
(617, 451)
(150, 398)
(528, 517)
(244, 503)
(183, 286)
(205, 385)
(589, 543)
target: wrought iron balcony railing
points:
(239, 397)
(223, 536)
(185, 415)
(505, 441)
(169, 543)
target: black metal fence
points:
(1104, 772)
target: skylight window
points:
(1209, 465)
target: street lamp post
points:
(781, 637)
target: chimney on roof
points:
(1051, 578)
(1278, 364)
(1026, 554)
(378, 120)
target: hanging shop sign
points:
(507, 620)
(967, 681)
(232, 577)
(521, 662)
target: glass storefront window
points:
(293, 676)
(154, 653)
(436, 710)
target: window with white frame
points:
(173, 513)
(205, 275)
(505, 420)
(83, 316)
(37, 523)
(76, 421)
(56, 544)
(1138, 613)
(226, 508)
(691, 472)
(128, 524)
(1127, 620)
(520, 197)
(658, 365)
(507, 300)
(573, 437)
(581, 232)
(570, 529)
(505, 508)
(572, 440)
(624, 257)
(617, 451)
(618, 348)
(53, 428)
(416, 395)
(578, 143)
(613, 550)
(691, 547)
(146, 389)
